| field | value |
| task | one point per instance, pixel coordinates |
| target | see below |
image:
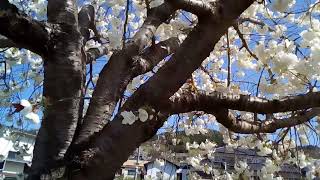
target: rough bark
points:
(63, 82)
(102, 148)
(115, 76)
(23, 30)
(6, 43)
(112, 146)
(101, 162)
(217, 100)
(243, 126)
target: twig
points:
(229, 59)
(125, 25)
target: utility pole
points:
(137, 164)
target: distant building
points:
(14, 160)
(166, 170)
(131, 167)
(225, 158)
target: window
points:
(13, 155)
(179, 176)
(1, 165)
(131, 172)
(10, 178)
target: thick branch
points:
(144, 62)
(22, 30)
(115, 76)
(106, 155)
(199, 8)
(62, 12)
(150, 57)
(153, 55)
(228, 120)
(95, 53)
(86, 18)
(111, 147)
(196, 47)
(6, 43)
(216, 100)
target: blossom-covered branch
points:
(113, 139)
(116, 75)
(231, 122)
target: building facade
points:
(15, 154)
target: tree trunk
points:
(63, 82)
(62, 88)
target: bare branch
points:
(229, 60)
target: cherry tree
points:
(105, 76)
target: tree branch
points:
(149, 58)
(199, 8)
(63, 94)
(23, 30)
(195, 48)
(86, 19)
(109, 148)
(153, 55)
(6, 43)
(116, 75)
(62, 12)
(228, 120)
(216, 100)
(101, 162)
(95, 53)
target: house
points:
(165, 170)
(16, 154)
(131, 166)
(224, 159)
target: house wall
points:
(128, 172)
(184, 173)
(13, 167)
(166, 172)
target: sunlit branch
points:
(199, 8)
(216, 100)
(227, 119)
(121, 65)
(169, 78)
